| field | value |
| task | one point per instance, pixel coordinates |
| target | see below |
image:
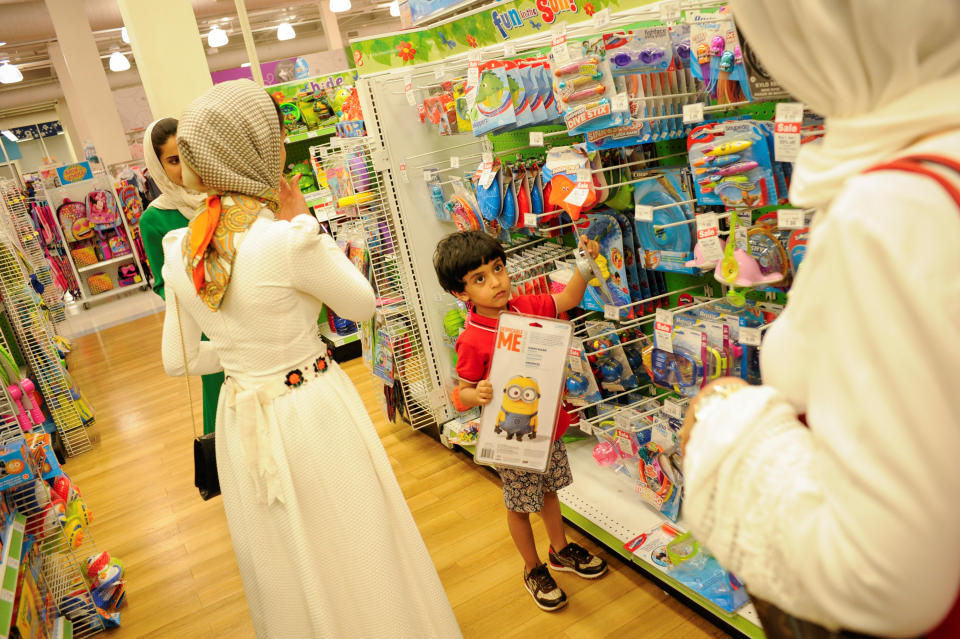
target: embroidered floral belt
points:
(299, 376)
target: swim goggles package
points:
(641, 63)
(585, 92)
(668, 194)
(719, 61)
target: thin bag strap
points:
(186, 369)
(915, 164)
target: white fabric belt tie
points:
(255, 427)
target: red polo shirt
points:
(477, 342)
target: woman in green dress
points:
(172, 210)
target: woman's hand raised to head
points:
(292, 202)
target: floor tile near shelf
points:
(118, 310)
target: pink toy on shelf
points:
(31, 396)
(16, 394)
(604, 453)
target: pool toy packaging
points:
(732, 164)
(528, 373)
(584, 89)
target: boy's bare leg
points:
(553, 520)
(522, 533)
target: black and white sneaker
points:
(544, 590)
(576, 558)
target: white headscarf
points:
(882, 73)
(173, 196)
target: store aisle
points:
(183, 579)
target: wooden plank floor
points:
(182, 575)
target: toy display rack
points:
(19, 226)
(35, 335)
(599, 503)
(77, 191)
(389, 241)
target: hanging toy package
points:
(581, 385)
(584, 88)
(527, 373)
(663, 200)
(492, 110)
(719, 61)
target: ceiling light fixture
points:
(124, 35)
(339, 6)
(7, 133)
(217, 37)
(285, 31)
(2, 43)
(118, 62)
(9, 73)
(244, 65)
(395, 8)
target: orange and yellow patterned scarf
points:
(211, 242)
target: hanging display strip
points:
(654, 150)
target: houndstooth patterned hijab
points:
(229, 137)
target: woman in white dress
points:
(323, 537)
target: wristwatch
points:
(717, 393)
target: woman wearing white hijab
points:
(324, 540)
(852, 523)
(173, 210)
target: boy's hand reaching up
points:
(588, 245)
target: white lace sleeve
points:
(319, 268)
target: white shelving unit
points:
(77, 192)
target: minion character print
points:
(518, 410)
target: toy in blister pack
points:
(493, 102)
(584, 89)
(581, 385)
(437, 197)
(719, 60)
(527, 372)
(567, 169)
(461, 106)
(629, 256)
(608, 358)
(731, 164)
(609, 284)
(666, 249)
(463, 207)
(440, 109)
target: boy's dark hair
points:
(459, 253)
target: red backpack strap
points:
(916, 164)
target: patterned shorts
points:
(523, 491)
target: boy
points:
(471, 265)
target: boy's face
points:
(487, 287)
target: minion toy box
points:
(527, 375)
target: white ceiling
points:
(26, 28)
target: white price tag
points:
(536, 138)
(620, 103)
(789, 112)
(611, 312)
(601, 18)
(473, 72)
(791, 219)
(561, 52)
(669, 11)
(578, 195)
(643, 213)
(530, 220)
(403, 174)
(509, 49)
(324, 153)
(408, 90)
(693, 113)
(672, 408)
(745, 218)
(740, 238)
(750, 336)
(585, 427)
(708, 235)
(439, 72)
(7, 595)
(454, 161)
(13, 562)
(663, 329)
(486, 172)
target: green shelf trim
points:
(296, 138)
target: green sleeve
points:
(154, 224)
